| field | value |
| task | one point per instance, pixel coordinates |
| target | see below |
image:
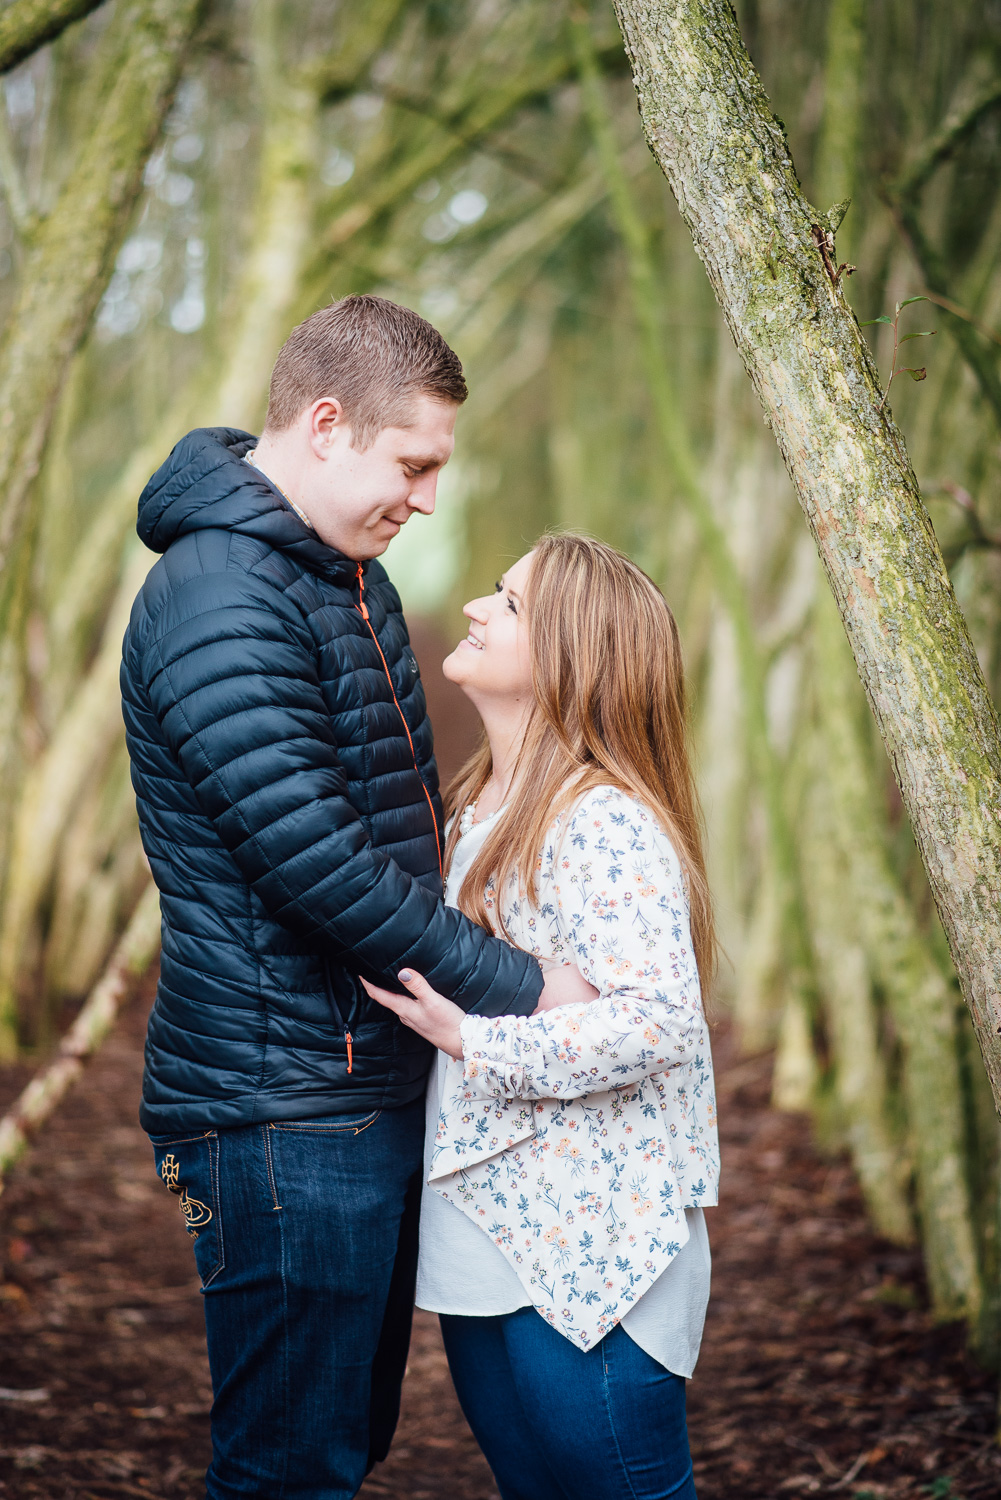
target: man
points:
(288, 799)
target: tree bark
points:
(710, 127)
(29, 24)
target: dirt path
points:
(820, 1370)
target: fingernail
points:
(405, 976)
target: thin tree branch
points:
(954, 129)
(903, 199)
(933, 267)
(961, 312)
(29, 24)
(483, 111)
(134, 954)
(12, 178)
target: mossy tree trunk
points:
(711, 129)
(29, 24)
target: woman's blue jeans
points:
(305, 1239)
(558, 1424)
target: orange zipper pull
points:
(362, 606)
(347, 1038)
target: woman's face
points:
(493, 661)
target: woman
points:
(569, 1153)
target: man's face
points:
(358, 500)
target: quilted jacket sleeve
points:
(616, 890)
(232, 681)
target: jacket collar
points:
(205, 485)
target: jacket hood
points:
(205, 485)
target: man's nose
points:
(422, 494)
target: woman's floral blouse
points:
(577, 1138)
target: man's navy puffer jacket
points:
(289, 808)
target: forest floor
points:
(821, 1370)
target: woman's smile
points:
(497, 628)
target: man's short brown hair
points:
(374, 356)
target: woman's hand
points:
(564, 985)
(427, 1013)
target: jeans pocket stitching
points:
(213, 1140)
(161, 1142)
(303, 1127)
(270, 1165)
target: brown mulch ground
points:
(821, 1370)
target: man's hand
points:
(428, 1013)
(564, 985)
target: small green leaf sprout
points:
(916, 372)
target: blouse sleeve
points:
(618, 895)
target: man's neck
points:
(268, 461)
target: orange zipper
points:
(347, 1038)
(362, 608)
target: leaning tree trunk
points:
(769, 258)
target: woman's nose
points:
(475, 610)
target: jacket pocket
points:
(188, 1166)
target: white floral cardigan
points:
(577, 1138)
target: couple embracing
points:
(395, 1044)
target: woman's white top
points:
(569, 1154)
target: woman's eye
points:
(511, 606)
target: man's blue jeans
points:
(558, 1424)
(305, 1238)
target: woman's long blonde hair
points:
(610, 709)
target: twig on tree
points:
(915, 372)
(824, 241)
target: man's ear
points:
(327, 424)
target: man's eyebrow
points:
(425, 460)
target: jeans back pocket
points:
(188, 1166)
